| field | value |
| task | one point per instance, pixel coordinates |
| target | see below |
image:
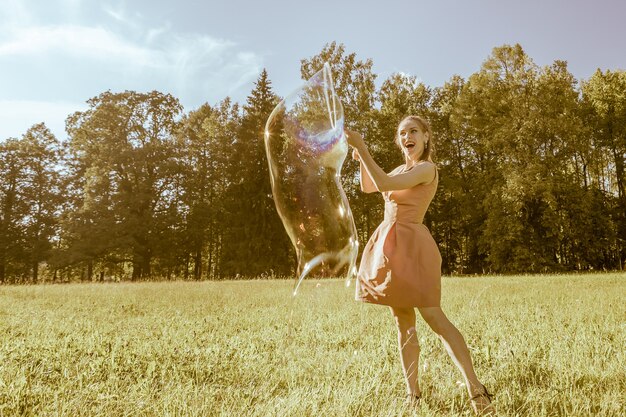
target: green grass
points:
(545, 345)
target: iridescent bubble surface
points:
(306, 148)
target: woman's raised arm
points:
(419, 174)
(367, 185)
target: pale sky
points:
(56, 54)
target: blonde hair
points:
(429, 146)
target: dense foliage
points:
(532, 169)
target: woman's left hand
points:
(354, 139)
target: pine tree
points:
(256, 242)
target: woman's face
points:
(412, 139)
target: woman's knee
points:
(410, 336)
(404, 317)
(434, 317)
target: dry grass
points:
(545, 345)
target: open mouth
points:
(409, 145)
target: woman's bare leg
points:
(458, 351)
(408, 346)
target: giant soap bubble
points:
(306, 148)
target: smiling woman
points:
(401, 264)
(415, 136)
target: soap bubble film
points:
(306, 148)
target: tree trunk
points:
(619, 174)
(209, 268)
(89, 270)
(136, 269)
(197, 264)
(35, 271)
(218, 257)
(146, 270)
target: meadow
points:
(545, 345)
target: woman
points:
(401, 264)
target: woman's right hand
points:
(355, 155)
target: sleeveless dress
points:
(401, 263)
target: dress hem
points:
(362, 300)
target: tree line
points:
(532, 176)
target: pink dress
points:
(401, 263)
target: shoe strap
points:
(485, 393)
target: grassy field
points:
(545, 345)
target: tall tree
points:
(13, 205)
(123, 145)
(43, 192)
(204, 142)
(255, 242)
(455, 212)
(604, 95)
(483, 124)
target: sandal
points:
(413, 399)
(479, 405)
